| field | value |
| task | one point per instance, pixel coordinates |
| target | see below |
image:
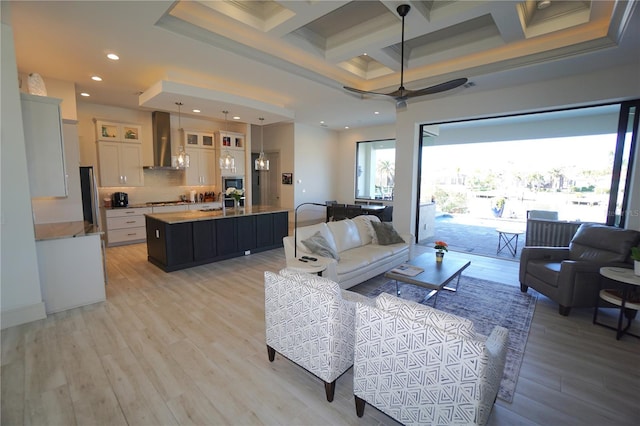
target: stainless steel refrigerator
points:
(90, 196)
(91, 207)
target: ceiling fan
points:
(401, 95)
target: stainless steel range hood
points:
(161, 126)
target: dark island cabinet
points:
(247, 233)
(174, 246)
(280, 228)
(204, 240)
(226, 237)
(264, 230)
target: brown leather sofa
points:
(570, 275)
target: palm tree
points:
(387, 171)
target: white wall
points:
(346, 158)
(21, 298)
(315, 177)
(280, 138)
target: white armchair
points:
(311, 321)
(424, 366)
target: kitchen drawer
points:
(124, 222)
(128, 212)
(127, 235)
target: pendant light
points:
(183, 156)
(227, 162)
(261, 162)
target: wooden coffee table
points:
(436, 275)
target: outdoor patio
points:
(467, 234)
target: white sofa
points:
(359, 257)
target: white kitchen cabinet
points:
(44, 142)
(126, 225)
(117, 132)
(71, 272)
(196, 139)
(234, 143)
(230, 140)
(120, 164)
(202, 166)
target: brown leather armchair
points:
(570, 275)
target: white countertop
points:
(198, 215)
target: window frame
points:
(361, 169)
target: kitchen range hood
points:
(161, 126)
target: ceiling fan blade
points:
(442, 87)
(364, 92)
(401, 95)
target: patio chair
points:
(542, 214)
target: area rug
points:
(487, 304)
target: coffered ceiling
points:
(289, 60)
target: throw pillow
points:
(318, 244)
(386, 234)
(367, 234)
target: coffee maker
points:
(119, 199)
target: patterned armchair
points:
(424, 366)
(311, 321)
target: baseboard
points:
(23, 315)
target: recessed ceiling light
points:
(236, 118)
(85, 94)
(196, 110)
(96, 78)
(113, 56)
(322, 122)
(377, 112)
(346, 127)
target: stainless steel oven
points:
(232, 182)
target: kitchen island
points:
(179, 240)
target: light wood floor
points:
(188, 348)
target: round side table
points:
(628, 299)
(299, 264)
(508, 238)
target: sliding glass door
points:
(574, 164)
(626, 151)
